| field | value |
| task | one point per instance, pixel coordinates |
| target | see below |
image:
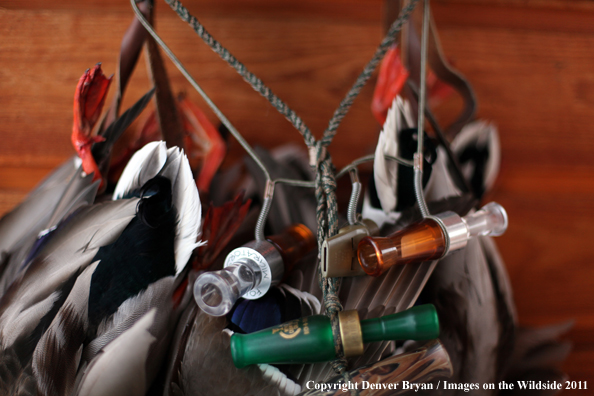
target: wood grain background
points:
(531, 64)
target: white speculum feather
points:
(155, 159)
(386, 171)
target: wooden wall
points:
(531, 64)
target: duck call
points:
(310, 339)
(249, 271)
(429, 239)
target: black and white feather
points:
(385, 171)
(156, 160)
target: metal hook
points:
(355, 194)
(369, 158)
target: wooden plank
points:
(520, 14)
(9, 200)
(550, 16)
(541, 99)
(528, 62)
(301, 62)
(22, 179)
(525, 66)
(360, 10)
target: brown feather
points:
(57, 355)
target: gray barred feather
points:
(471, 327)
(20, 227)
(78, 193)
(119, 368)
(157, 298)
(205, 350)
(57, 355)
(33, 212)
(16, 379)
(67, 252)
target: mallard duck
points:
(95, 306)
(70, 186)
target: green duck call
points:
(310, 339)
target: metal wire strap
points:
(381, 50)
(418, 157)
(259, 86)
(283, 108)
(325, 182)
(199, 89)
(256, 83)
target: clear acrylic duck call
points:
(250, 271)
(429, 239)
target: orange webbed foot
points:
(89, 98)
